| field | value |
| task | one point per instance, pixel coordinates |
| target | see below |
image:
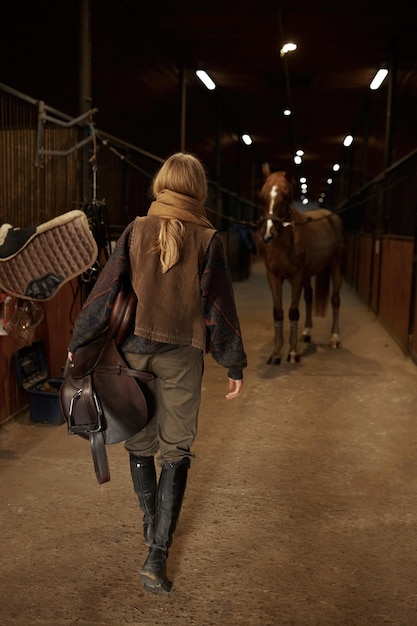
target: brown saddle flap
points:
(112, 398)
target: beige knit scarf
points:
(173, 205)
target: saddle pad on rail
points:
(36, 261)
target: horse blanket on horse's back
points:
(36, 261)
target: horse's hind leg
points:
(308, 299)
(337, 279)
(294, 315)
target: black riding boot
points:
(169, 500)
(144, 481)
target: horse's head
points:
(276, 197)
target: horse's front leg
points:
(308, 299)
(294, 316)
(275, 284)
(337, 279)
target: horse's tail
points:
(322, 292)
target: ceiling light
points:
(300, 152)
(288, 47)
(303, 179)
(305, 201)
(348, 140)
(329, 181)
(336, 167)
(297, 160)
(378, 79)
(287, 112)
(206, 80)
(247, 139)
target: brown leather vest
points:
(169, 305)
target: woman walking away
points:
(176, 263)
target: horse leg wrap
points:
(294, 315)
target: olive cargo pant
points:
(176, 392)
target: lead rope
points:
(93, 163)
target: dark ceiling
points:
(138, 50)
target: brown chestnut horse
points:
(297, 246)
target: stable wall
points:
(55, 331)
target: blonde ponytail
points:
(185, 174)
(169, 242)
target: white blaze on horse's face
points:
(272, 194)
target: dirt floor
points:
(300, 509)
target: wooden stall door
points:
(396, 287)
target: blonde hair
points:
(183, 173)
(169, 242)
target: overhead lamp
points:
(297, 159)
(348, 140)
(288, 47)
(329, 181)
(300, 153)
(305, 200)
(247, 139)
(336, 167)
(378, 79)
(287, 112)
(206, 80)
(303, 180)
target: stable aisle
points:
(300, 509)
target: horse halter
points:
(270, 217)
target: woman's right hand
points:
(235, 388)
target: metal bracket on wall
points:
(85, 119)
